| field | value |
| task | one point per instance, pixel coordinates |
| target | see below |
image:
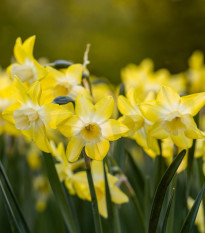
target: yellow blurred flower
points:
(173, 116)
(92, 128)
(80, 184)
(138, 125)
(196, 72)
(27, 69)
(33, 113)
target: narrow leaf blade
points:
(190, 219)
(161, 192)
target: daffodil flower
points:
(65, 82)
(173, 116)
(92, 128)
(138, 125)
(27, 69)
(80, 184)
(33, 113)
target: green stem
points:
(96, 215)
(117, 228)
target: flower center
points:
(24, 72)
(174, 124)
(91, 133)
(62, 88)
(25, 117)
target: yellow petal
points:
(117, 195)
(74, 73)
(167, 97)
(71, 127)
(152, 111)
(9, 112)
(38, 135)
(113, 129)
(103, 207)
(20, 89)
(124, 106)
(182, 141)
(191, 128)
(54, 114)
(28, 45)
(74, 148)
(103, 109)
(84, 108)
(157, 131)
(191, 104)
(34, 93)
(97, 150)
(97, 170)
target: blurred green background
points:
(120, 31)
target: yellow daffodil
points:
(92, 128)
(138, 125)
(80, 183)
(33, 113)
(27, 69)
(173, 116)
(65, 82)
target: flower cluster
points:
(157, 110)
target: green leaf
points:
(11, 202)
(161, 192)
(12, 218)
(190, 219)
(164, 227)
(59, 193)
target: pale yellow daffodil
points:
(33, 113)
(80, 184)
(138, 125)
(92, 128)
(27, 69)
(173, 116)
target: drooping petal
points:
(167, 97)
(54, 114)
(71, 127)
(20, 93)
(182, 141)
(74, 73)
(124, 106)
(113, 129)
(97, 150)
(97, 170)
(103, 109)
(191, 104)
(39, 136)
(103, 207)
(157, 131)
(84, 108)
(117, 195)
(74, 148)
